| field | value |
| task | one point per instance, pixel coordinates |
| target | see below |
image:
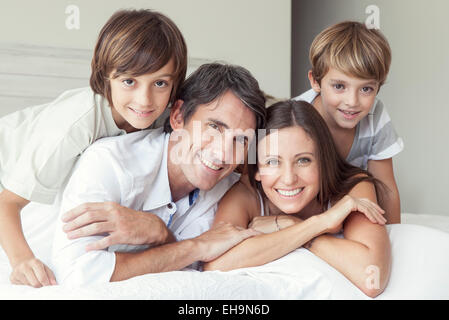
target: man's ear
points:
(313, 83)
(176, 118)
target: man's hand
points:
(32, 272)
(123, 225)
(221, 238)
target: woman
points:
(302, 194)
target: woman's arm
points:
(265, 248)
(366, 245)
(364, 255)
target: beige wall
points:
(251, 33)
(416, 92)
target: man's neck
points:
(179, 185)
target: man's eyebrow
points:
(219, 123)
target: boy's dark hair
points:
(137, 42)
(210, 81)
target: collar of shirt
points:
(158, 193)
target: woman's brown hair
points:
(137, 42)
(337, 177)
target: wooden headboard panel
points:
(32, 75)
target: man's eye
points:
(214, 126)
(128, 82)
(241, 140)
(272, 162)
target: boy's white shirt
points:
(132, 171)
(39, 145)
(375, 138)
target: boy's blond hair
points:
(353, 49)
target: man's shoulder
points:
(132, 146)
(222, 187)
(307, 96)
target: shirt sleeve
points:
(41, 144)
(386, 142)
(94, 179)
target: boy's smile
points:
(344, 100)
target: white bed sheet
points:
(419, 271)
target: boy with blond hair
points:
(349, 65)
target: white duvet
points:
(419, 271)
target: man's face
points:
(213, 142)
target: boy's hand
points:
(122, 225)
(32, 272)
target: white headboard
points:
(32, 75)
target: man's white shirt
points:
(130, 170)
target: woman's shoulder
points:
(243, 195)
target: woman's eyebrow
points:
(303, 153)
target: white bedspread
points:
(419, 271)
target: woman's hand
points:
(335, 216)
(269, 224)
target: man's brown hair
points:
(137, 42)
(353, 49)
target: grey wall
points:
(416, 92)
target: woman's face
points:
(288, 169)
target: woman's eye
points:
(303, 161)
(128, 82)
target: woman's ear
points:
(313, 83)
(176, 118)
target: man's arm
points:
(389, 199)
(175, 256)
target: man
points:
(157, 191)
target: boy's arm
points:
(27, 270)
(389, 199)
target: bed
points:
(420, 247)
(31, 75)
